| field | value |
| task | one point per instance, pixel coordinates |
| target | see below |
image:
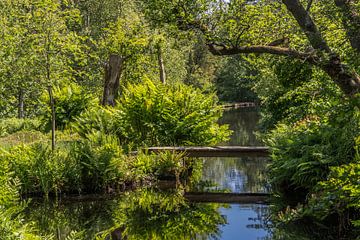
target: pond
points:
(154, 214)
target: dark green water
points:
(156, 214)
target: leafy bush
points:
(339, 193)
(155, 114)
(12, 125)
(297, 91)
(70, 102)
(96, 118)
(101, 162)
(11, 220)
(92, 164)
(38, 168)
(303, 153)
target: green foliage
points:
(234, 81)
(12, 125)
(12, 225)
(92, 164)
(147, 214)
(339, 193)
(153, 114)
(302, 153)
(100, 162)
(70, 102)
(38, 169)
(298, 91)
(94, 119)
(315, 169)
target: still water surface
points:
(150, 214)
(239, 175)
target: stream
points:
(150, 214)
(240, 175)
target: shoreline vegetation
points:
(85, 83)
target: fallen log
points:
(219, 151)
(216, 197)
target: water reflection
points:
(243, 123)
(245, 222)
(155, 214)
(148, 214)
(240, 174)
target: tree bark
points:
(53, 123)
(351, 21)
(222, 50)
(113, 71)
(21, 103)
(346, 79)
(161, 65)
(306, 23)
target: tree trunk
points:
(351, 21)
(161, 65)
(53, 124)
(307, 24)
(113, 71)
(21, 103)
(345, 78)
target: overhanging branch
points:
(221, 50)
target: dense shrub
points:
(154, 114)
(92, 164)
(297, 90)
(12, 125)
(11, 221)
(94, 119)
(70, 102)
(304, 151)
(315, 170)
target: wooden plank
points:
(219, 151)
(239, 105)
(245, 198)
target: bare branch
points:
(222, 50)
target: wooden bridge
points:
(218, 151)
(239, 105)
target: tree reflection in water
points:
(141, 214)
(237, 174)
(243, 123)
(149, 214)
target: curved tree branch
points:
(222, 50)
